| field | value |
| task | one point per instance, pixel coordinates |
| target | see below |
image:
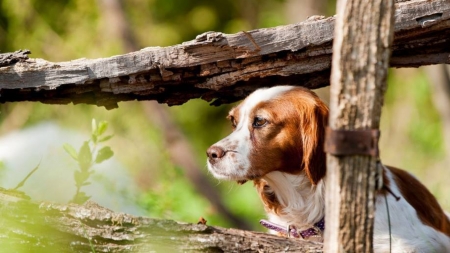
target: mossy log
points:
(29, 226)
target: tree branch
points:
(219, 66)
(50, 227)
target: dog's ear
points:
(313, 123)
(268, 197)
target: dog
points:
(278, 143)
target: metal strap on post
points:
(352, 142)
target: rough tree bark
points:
(27, 226)
(222, 67)
(361, 54)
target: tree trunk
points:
(27, 226)
(219, 66)
(358, 81)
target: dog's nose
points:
(215, 152)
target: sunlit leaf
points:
(71, 151)
(102, 126)
(105, 138)
(104, 154)
(94, 126)
(94, 138)
(85, 156)
(80, 198)
(80, 177)
(86, 183)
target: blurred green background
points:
(148, 138)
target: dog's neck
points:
(303, 204)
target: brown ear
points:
(314, 123)
(267, 196)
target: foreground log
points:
(27, 226)
(219, 66)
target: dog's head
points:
(275, 129)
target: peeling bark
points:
(221, 67)
(27, 226)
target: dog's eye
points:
(233, 122)
(259, 122)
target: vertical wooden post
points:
(363, 35)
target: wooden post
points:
(361, 50)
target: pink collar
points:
(291, 231)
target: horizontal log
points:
(219, 67)
(28, 226)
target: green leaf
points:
(77, 177)
(102, 126)
(85, 156)
(94, 126)
(105, 138)
(94, 138)
(71, 151)
(86, 183)
(80, 198)
(104, 154)
(80, 177)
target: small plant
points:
(26, 178)
(85, 158)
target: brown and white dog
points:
(278, 143)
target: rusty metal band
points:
(352, 142)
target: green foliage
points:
(104, 154)
(411, 128)
(173, 197)
(84, 158)
(425, 128)
(415, 116)
(71, 151)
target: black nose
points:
(215, 152)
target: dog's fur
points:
(278, 143)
